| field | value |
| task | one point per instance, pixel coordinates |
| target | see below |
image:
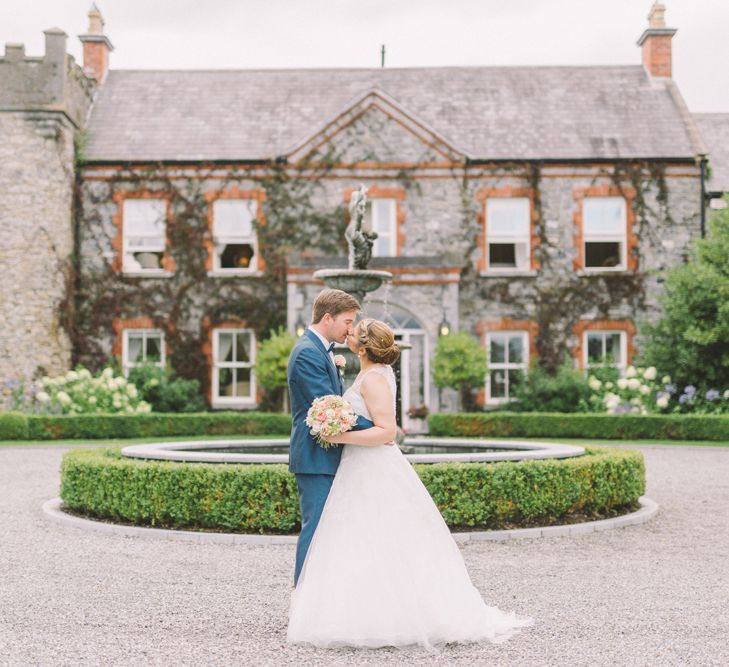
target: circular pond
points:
(416, 449)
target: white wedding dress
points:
(382, 568)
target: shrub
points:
(460, 363)
(597, 426)
(13, 426)
(565, 391)
(263, 498)
(66, 427)
(272, 360)
(78, 392)
(166, 392)
(691, 340)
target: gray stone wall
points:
(42, 103)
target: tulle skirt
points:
(383, 569)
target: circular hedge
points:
(103, 484)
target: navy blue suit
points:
(312, 374)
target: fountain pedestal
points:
(357, 282)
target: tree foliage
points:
(460, 363)
(691, 341)
(272, 361)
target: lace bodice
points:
(354, 395)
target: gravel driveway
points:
(655, 594)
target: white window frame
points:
(621, 239)
(128, 248)
(603, 332)
(386, 229)
(220, 241)
(127, 365)
(233, 401)
(505, 366)
(523, 238)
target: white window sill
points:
(601, 272)
(152, 273)
(511, 273)
(244, 403)
(235, 273)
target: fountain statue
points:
(357, 280)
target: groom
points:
(311, 374)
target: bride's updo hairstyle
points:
(378, 340)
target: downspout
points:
(702, 167)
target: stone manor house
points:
(176, 216)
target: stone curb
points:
(53, 510)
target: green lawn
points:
(134, 441)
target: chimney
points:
(656, 42)
(96, 47)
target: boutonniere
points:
(340, 362)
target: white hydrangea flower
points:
(635, 401)
(92, 400)
(726, 394)
(63, 398)
(120, 381)
(594, 383)
(662, 402)
(609, 385)
(71, 376)
(650, 373)
(622, 383)
(42, 397)
(107, 373)
(630, 372)
(666, 379)
(645, 389)
(132, 391)
(633, 383)
(84, 374)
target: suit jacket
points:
(312, 374)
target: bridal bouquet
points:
(328, 416)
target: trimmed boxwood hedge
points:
(16, 426)
(262, 498)
(576, 425)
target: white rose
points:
(622, 383)
(633, 383)
(594, 383)
(63, 398)
(42, 397)
(650, 373)
(645, 389)
(662, 402)
(630, 372)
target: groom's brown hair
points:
(333, 301)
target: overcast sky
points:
(215, 34)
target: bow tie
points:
(331, 347)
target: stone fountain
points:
(357, 279)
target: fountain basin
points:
(353, 281)
(416, 450)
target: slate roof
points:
(714, 129)
(485, 112)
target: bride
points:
(382, 568)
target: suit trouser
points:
(313, 492)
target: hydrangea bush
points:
(79, 392)
(642, 391)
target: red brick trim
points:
(119, 325)
(117, 243)
(207, 350)
(396, 193)
(605, 190)
(484, 327)
(603, 325)
(258, 194)
(483, 195)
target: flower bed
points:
(103, 484)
